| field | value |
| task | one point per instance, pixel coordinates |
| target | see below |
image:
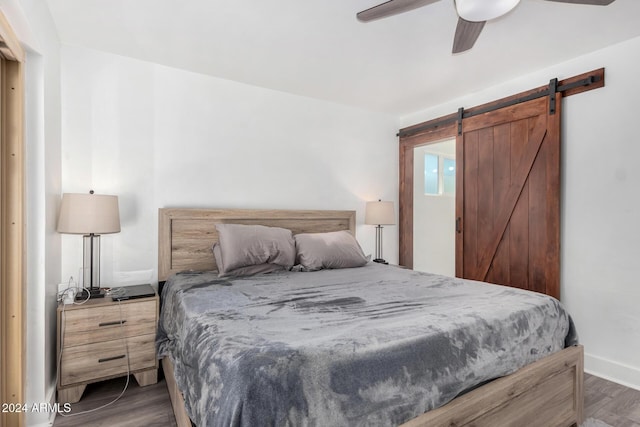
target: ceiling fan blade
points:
(391, 7)
(592, 2)
(467, 33)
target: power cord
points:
(71, 289)
(126, 343)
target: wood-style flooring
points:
(150, 406)
(610, 402)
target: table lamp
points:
(90, 215)
(379, 213)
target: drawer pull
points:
(117, 322)
(107, 359)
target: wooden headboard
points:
(185, 236)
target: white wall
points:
(34, 27)
(600, 204)
(163, 137)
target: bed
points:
(545, 391)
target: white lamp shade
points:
(89, 213)
(483, 10)
(380, 213)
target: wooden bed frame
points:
(548, 392)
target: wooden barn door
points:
(508, 197)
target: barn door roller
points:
(553, 88)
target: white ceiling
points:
(317, 48)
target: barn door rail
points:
(567, 87)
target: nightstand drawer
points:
(96, 324)
(104, 359)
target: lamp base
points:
(380, 261)
(91, 293)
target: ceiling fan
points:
(472, 15)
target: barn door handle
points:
(458, 225)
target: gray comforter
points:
(373, 346)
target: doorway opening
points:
(434, 207)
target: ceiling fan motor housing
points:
(483, 10)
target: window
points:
(439, 175)
(431, 172)
(448, 176)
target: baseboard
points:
(625, 375)
(52, 400)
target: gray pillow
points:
(336, 249)
(245, 245)
(249, 270)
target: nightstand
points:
(96, 346)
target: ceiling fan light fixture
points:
(483, 10)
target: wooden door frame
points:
(12, 225)
(450, 126)
(407, 146)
